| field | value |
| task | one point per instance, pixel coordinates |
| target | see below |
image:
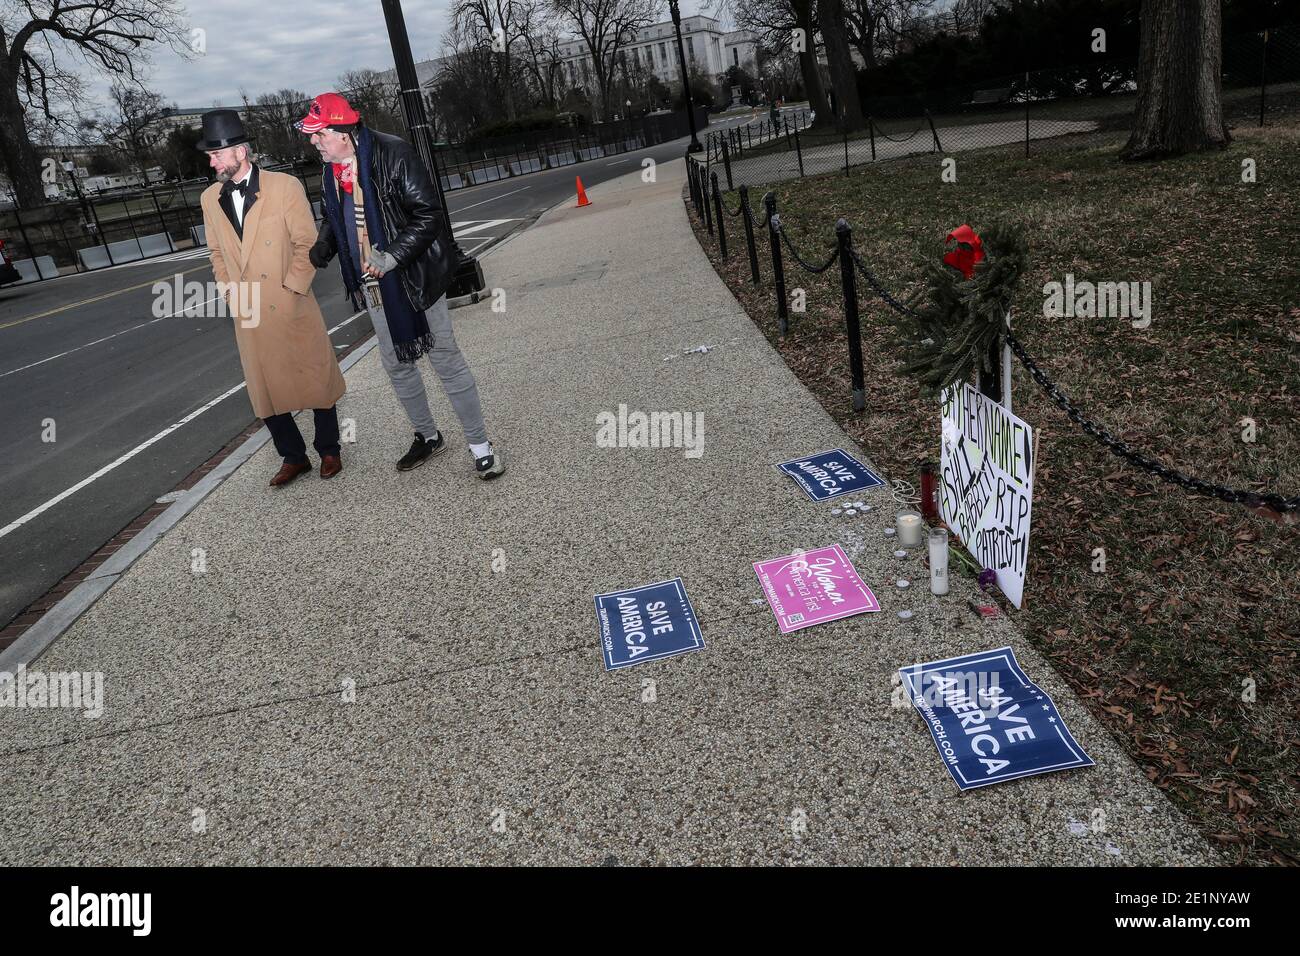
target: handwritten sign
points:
(986, 489)
(646, 623)
(812, 587)
(829, 474)
(989, 721)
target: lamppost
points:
(695, 146)
(468, 277)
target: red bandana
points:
(343, 176)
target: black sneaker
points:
(422, 449)
(490, 465)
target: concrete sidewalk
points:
(480, 695)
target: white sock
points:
(481, 450)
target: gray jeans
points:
(449, 365)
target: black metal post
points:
(717, 210)
(27, 244)
(778, 271)
(1263, 78)
(938, 146)
(990, 383)
(871, 130)
(708, 206)
(126, 208)
(797, 151)
(726, 163)
(846, 149)
(845, 236)
(1026, 114)
(162, 220)
(94, 217)
(748, 216)
(694, 146)
(468, 277)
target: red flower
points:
(970, 250)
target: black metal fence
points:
(98, 231)
(1261, 79)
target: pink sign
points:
(813, 587)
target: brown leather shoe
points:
(330, 465)
(288, 472)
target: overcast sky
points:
(267, 45)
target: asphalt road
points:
(135, 402)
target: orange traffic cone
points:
(582, 194)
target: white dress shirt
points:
(237, 198)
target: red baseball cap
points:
(328, 109)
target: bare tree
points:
(269, 121)
(38, 41)
(498, 24)
(844, 75)
(134, 132)
(1179, 103)
(375, 98)
(606, 27)
(540, 36)
(776, 22)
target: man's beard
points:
(225, 175)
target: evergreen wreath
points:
(955, 322)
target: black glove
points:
(319, 256)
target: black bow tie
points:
(236, 187)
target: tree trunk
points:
(844, 76)
(21, 161)
(812, 78)
(1179, 109)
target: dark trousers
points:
(288, 440)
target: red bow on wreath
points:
(970, 250)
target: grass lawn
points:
(1199, 603)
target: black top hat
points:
(222, 128)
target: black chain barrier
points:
(903, 139)
(816, 270)
(1250, 499)
(739, 209)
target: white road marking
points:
(481, 225)
(105, 338)
(36, 512)
(350, 318)
(493, 199)
(478, 245)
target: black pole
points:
(1026, 114)
(749, 232)
(846, 149)
(31, 251)
(708, 207)
(468, 277)
(797, 151)
(126, 208)
(717, 210)
(778, 272)
(845, 236)
(1263, 78)
(726, 162)
(871, 130)
(694, 146)
(938, 146)
(162, 220)
(94, 216)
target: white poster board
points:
(986, 486)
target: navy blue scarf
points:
(408, 327)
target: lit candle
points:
(909, 528)
(938, 560)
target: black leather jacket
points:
(415, 229)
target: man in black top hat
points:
(260, 231)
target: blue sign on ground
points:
(829, 474)
(990, 722)
(646, 623)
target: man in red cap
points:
(384, 220)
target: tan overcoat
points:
(289, 361)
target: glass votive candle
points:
(909, 528)
(938, 542)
